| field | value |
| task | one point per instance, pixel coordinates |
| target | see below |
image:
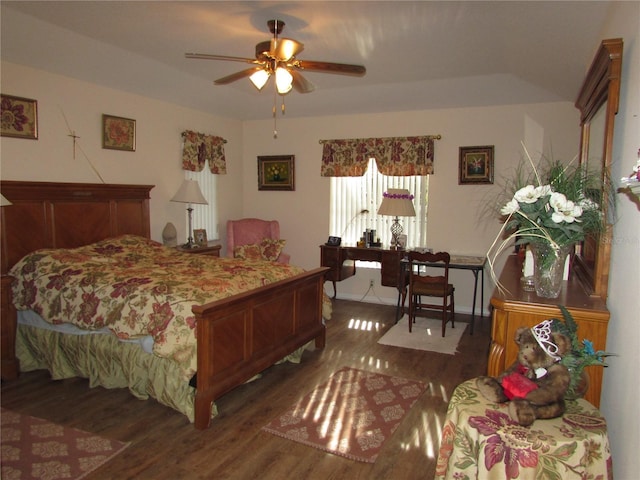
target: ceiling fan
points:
(277, 57)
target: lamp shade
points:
(284, 80)
(190, 192)
(397, 202)
(3, 201)
(259, 78)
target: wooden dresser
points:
(517, 308)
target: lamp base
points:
(396, 231)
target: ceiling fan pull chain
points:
(273, 111)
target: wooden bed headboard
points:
(68, 215)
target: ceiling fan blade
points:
(328, 67)
(284, 49)
(236, 76)
(206, 56)
(301, 84)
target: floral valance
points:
(199, 148)
(400, 156)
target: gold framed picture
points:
(276, 172)
(19, 117)
(200, 237)
(118, 133)
(476, 165)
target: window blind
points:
(355, 202)
(205, 216)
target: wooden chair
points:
(429, 277)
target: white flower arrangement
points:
(550, 206)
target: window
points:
(355, 202)
(205, 216)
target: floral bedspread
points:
(479, 440)
(135, 287)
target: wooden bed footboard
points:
(240, 336)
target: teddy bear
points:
(536, 383)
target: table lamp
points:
(397, 202)
(190, 192)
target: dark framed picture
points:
(118, 133)
(476, 165)
(276, 172)
(19, 117)
(200, 237)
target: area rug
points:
(33, 448)
(352, 414)
(426, 335)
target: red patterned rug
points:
(352, 414)
(33, 448)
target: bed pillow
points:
(267, 249)
(271, 249)
(250, 251)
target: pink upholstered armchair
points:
(249, 231)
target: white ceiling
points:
(418, 54)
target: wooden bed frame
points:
(237, 337)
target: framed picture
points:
(476, 165)
(200, 237)
(118, 133)
(276, 172)
(19, 117)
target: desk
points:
(341, 263)
(479, 440)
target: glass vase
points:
(548, 268)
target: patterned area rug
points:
(352, 414)
(426, 335)
(33, 448)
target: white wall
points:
(621, 389)
(459, 219)
(157, 158)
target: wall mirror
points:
(598, 104)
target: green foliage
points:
(582, 353)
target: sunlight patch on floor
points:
(427, 432)
(426, 435)
(375, 363)
(364, 325)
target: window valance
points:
(199, 148)
(401, 156)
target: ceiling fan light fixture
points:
(284, 80)
(259, 78)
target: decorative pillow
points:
(271, 249)
(252, 251)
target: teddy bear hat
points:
(542, 334)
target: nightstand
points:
(212, 249)
(8, 361)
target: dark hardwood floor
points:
(165, 446)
